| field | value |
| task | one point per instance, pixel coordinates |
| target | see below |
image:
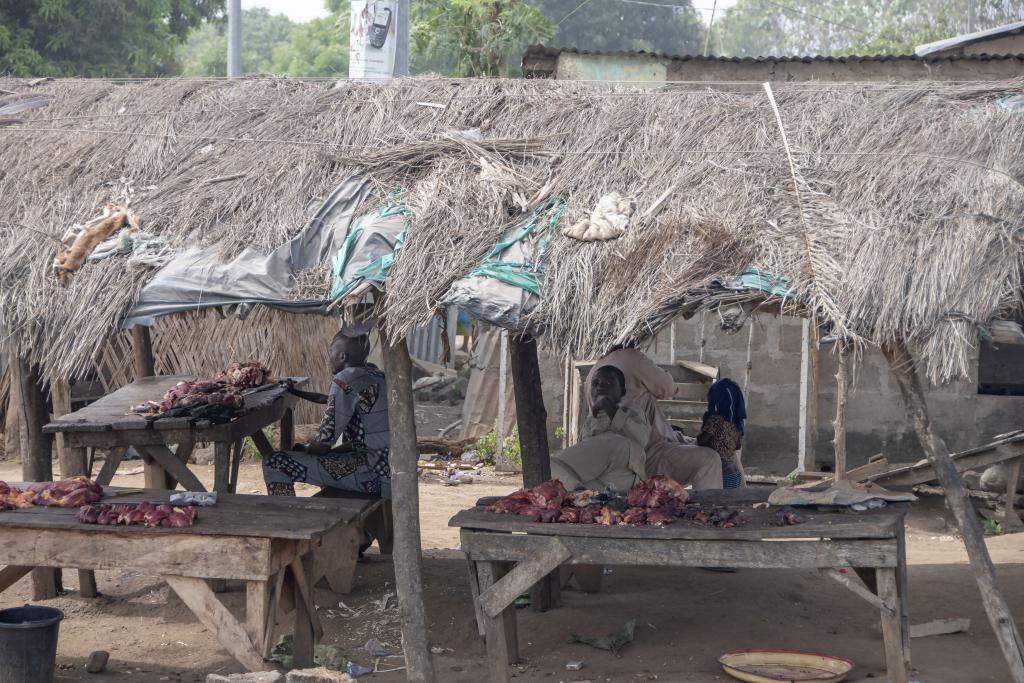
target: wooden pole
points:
(532, 419)
(37, 458)
(142, 352)
(808, 397)
(408, 559)
(999, 615)
(842, 394)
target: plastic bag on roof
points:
(369, 249)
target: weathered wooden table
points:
(108, 424)
(267, 541)
(508, 555)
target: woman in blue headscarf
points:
(722, 428)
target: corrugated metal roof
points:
(541, 52)
(969, 39)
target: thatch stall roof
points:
(900, 216)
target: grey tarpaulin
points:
(197, 278)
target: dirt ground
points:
(685, 618)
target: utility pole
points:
(402, 36)
(707, 38)
(971, 18)
(234, 38)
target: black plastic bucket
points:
(28, 643)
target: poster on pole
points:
(372, 39)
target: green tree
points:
(97, 37)
(205, 51)
(667, 26)
(318, 48)
(844, 27)
(474, 37)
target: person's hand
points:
(289, 385)
(318, 447)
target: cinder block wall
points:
(876, 417)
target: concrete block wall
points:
(876, 421)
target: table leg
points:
(221, 467)
(217, 619)
(236, 462)
(75, 462)
(499, 632)
(474, 591)
(286, 433)
(892, 625)
(902, 590)
(259, 614)
(110, 465)
(337, 556)
(11, 574)
(1011, 520)
(307, 630)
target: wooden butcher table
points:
(508, 555)
(266, 541)
(108, 424)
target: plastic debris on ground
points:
(328, 656)
(613, 642)
(375, 648)
(575, 665)
(357, 670)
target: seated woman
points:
(350, 451)
(612, 454)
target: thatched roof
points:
(901, 217)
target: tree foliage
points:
(844, 27)
(474, 37)
(205, 51)
(318, 48)
(97, 37)
(612, 26)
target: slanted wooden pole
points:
(37, 458)
(842, 394)
(999, 615)
(408, 558)
(532, 419)
(142, 352)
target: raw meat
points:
(142, 514)
(73, 492)
(634, 516)
(580, 499)
(569, 515)
(244, 375)
(658, 517)
(657, 491)
(786, 516)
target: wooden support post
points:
(37, 459)
(142, 352)
(408, 558)
(73, 463)
(808, 398)
(532, 419)
(935, 449)
(286, 433)
(842, 394)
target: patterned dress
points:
(357, 413)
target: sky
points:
(304, 10)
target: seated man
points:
(646, 383)
(611, 455)
(350, 450)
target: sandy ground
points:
(685, 617)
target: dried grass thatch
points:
(900, 218)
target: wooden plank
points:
(523, 577)
(218, 620)
(188, 555)
(500, 631)
(170, 463)
(808, 429)
(73, 463)
(839, 424)
(236, 463)
(60, 400)
(262, 443)
(817, 525)
(903, 592)
(891, 626)
(11, 574)
(708, 371)
(532, 419)
(115, 407)
(1000, 617)
(922, 472)
(940, 627)
(796, 554)
(408, 559)
(474, 591)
